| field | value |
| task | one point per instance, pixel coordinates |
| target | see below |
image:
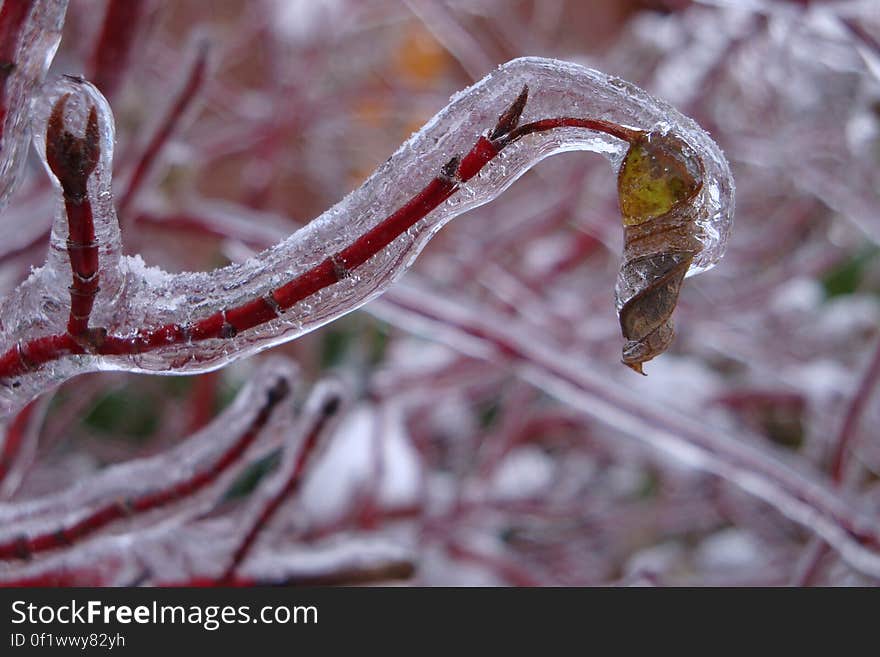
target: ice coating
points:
(30, 40)
(79, 97)
(118, 548)
(182, 482)
(149, 297)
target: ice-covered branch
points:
(320, 409)
(18, 446)
(29, 35)
(854, 533)
(156, 506)
(180, 481)
(122, 22)
(673, 177)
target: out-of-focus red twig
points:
(110, 58)
(808, 569)
(15, 436)
(188, 93)
(12, 20)
(304, 454)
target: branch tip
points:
(510, 118)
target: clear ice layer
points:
(38, 40)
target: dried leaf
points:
(658, 179)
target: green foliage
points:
(847, 277)
(252, 475)
(129, 414)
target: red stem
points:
(849, 428)
(25, 547)
(82, 248)
(599, 125)
(13, 16)
(204, 399)
(110, 57)
(14, 437)
(73, 159)
(187, 94)
(809, 570)
(229, 322)
(306, 451)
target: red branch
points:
(25, 547)
(187, 94)
(809, 566)
(13, 16)
(72, 159)
(228, 323)
(850, 427)
(305, 451)
(15, 435)
(111, 54)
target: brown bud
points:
(72, 159)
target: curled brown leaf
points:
(657, 183)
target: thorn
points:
(510, 119)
